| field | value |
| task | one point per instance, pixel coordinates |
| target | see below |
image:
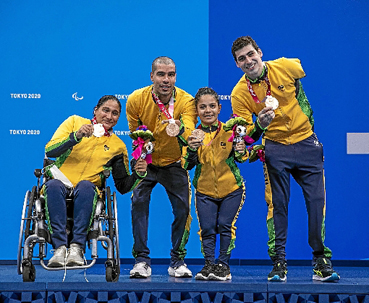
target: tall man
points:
(291, 148)
(169, 113)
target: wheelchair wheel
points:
(117, 255)
(25, 225)
(29, 272)
(32, 198)
(113, 266)
(112, 272)
(110, 213)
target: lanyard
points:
(252, 92)
(216, 134)
(164, 110)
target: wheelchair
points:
(34, 234)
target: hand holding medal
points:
(198, 134)
(195, 139)
(86, 130)
(266, 115)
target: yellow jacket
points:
(217, 174)
(291, 124)
(87, 158)
(141, 109)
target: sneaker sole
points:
(138, 276)
(277, 278)
(53, 265)
(70, 264)
(201, 277)
(181, 276)
(216, 278)
(174, 274)
(332, 278)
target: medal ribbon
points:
(217, 132)
(162, 107)
(252, 92)
(94, 121)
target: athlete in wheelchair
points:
(75, 185)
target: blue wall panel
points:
(331, 40)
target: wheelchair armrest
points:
(106, 173)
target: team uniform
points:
(220, 195)
(291, 148)
(165, 169)
(82, 162)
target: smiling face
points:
(164, 78)
(208, 109)
(108, 114)
(249, 60)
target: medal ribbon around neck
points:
(164, 110)
(252, 92)
(216, 134)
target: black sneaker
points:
(279, 272)
(204, 273)
(324, 272)
(221, 272)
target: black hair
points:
(105, 98)
(161, 60)
(241, 42)
(206, 91)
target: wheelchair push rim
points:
(112, 267)
(21, 233)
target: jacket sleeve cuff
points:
(241, 157)
(257, 124)
(75, 137)
(141, 176)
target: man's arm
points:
(132, 113)
(188, 121)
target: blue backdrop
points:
(58, 58)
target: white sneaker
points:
(140, 270)
(75, 255)
(58, 259)
(180, 271)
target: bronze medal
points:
(199, 134)
(172, 129)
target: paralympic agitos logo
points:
(75, 97)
